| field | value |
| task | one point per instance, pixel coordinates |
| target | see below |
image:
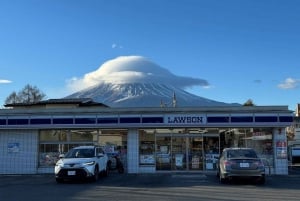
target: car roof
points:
(85, 147)
(237, 148)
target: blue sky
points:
(244, 49)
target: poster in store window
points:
(179, 160)
(13, 147)
(147, 159)
(281, 149)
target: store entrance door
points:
(163, 152)
(179, 152)
(196, 153)
(211, 151)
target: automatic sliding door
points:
(212, 151)
(163, 152)
(179, 153)
(171, 152)
(195, 153)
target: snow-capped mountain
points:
(134, 81)
(143, 95)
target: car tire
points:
(262, 181)
(222, 179)
(109, 164)
(121, 170)
(96, 174)
(106, 171)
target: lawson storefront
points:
(148, 140)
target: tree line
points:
(29, 94)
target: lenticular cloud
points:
(133, 69)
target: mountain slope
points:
(142, 95)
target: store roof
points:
(74, 102)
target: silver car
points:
(240, 163)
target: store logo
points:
(185, 119)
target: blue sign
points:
(13, 147)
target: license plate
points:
(244, 165)
(71, 173)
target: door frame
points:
(187, 151)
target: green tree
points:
(29, 94)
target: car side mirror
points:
(61, 156)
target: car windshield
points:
(80, 153)
(241, 153)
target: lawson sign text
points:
(185, 119)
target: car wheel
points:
(221, 178)
(262, 180)
(96, 174)
(109, 165)
(121, 170)
(106, 171)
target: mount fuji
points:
(134, 81)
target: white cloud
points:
(5, 81)
(289, 83)
(132, 69)
(208, 87)
(115, 45)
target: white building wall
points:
(133, 151)
(280, 151)
(18, 151)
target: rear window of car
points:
(241, 153)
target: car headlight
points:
(89, 163)
(60, 164)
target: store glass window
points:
(260, 139)
(56, 142)
(146, 147)
(53, 135)
(82, 135)
(114, 143)
(52, 143)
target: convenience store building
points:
(148, 140)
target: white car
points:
(82, 162)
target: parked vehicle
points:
(240, 163)
(83, 162)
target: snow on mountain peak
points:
(135, 81)
(129, 69)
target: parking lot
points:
(137, 187)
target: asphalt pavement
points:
(149, 187)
